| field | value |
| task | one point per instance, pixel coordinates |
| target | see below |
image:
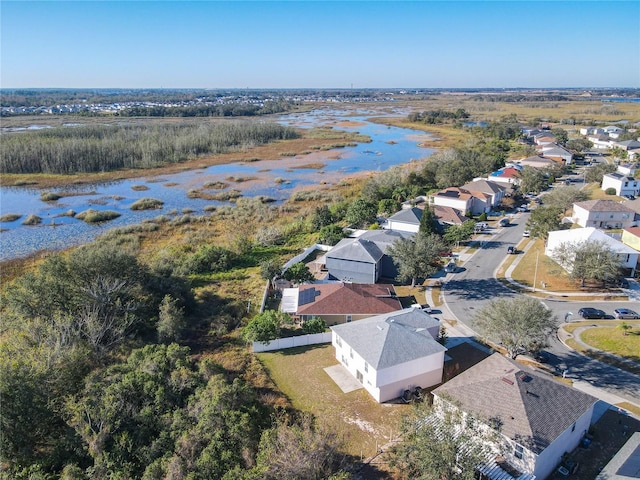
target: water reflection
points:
(272, 178)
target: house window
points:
(351, 352)
(349, 318)
(366, 367)
(338, 341)
(518, 451)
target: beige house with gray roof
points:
(603, 214)
(537, 417)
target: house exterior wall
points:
(352, 271)
(403, 227)
(551, 456)
(389, 383)
(388, 269)
(622, 186)
(630, 240)
(585, 218)
(457, 203)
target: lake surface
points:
(277, 179)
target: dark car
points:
(511, 249)
(591, 313)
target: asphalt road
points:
(473, 286)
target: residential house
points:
(627, 168)
(612, 129)
(537, 161)
(505, 175)
(591, 131)
(363, 259)
(391, 353)
(406, 220)
(537, 418)
(600, 141)
(544, 138)
(631, 237)
(603, 214)
(621, 183)
(448, 216)
(493, 190)
(556, 152)
(627, 144)
(627, 255)
(453, 197)
(337, 303)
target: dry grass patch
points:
(548, 271)
(358, 419)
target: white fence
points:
(290, 342)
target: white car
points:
(526, 233)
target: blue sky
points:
(315, 44)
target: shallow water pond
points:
(272, 178)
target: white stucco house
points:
(391, 353)
(603, 214)
(623, 184)
(536, 418)
(627, 255)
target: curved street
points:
(474, 284)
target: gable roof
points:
(453, 192)
(621, 177)
(508, 172)
(407, 215)
(603, 206)
(392, 339)
(530, 408)
(346, 298)
(635, 231)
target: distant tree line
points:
(549, 97)
(226, 110)
(98, 148)
(433, 117)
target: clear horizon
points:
(318, 45)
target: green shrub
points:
(610, 191)
(209, 258)
(314, 325)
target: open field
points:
(614, 340)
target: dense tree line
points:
(519, 98)
(224, 110)
(104, 148)
(433, 117)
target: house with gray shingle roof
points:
(406, 220)
(363, 259)
(391, 353)
(337, 303)
(537, 417)
(603, 214)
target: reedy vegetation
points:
(98, 148)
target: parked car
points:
(526, 233)
(504, 222)
(481, 225)
(511, 250)
(589, 312)
(450, 267)
(625, 313)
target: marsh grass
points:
(32, 219)
(147, 204)
(97, 216)
(139, 188)
(10, 217)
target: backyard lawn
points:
(363, 424)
